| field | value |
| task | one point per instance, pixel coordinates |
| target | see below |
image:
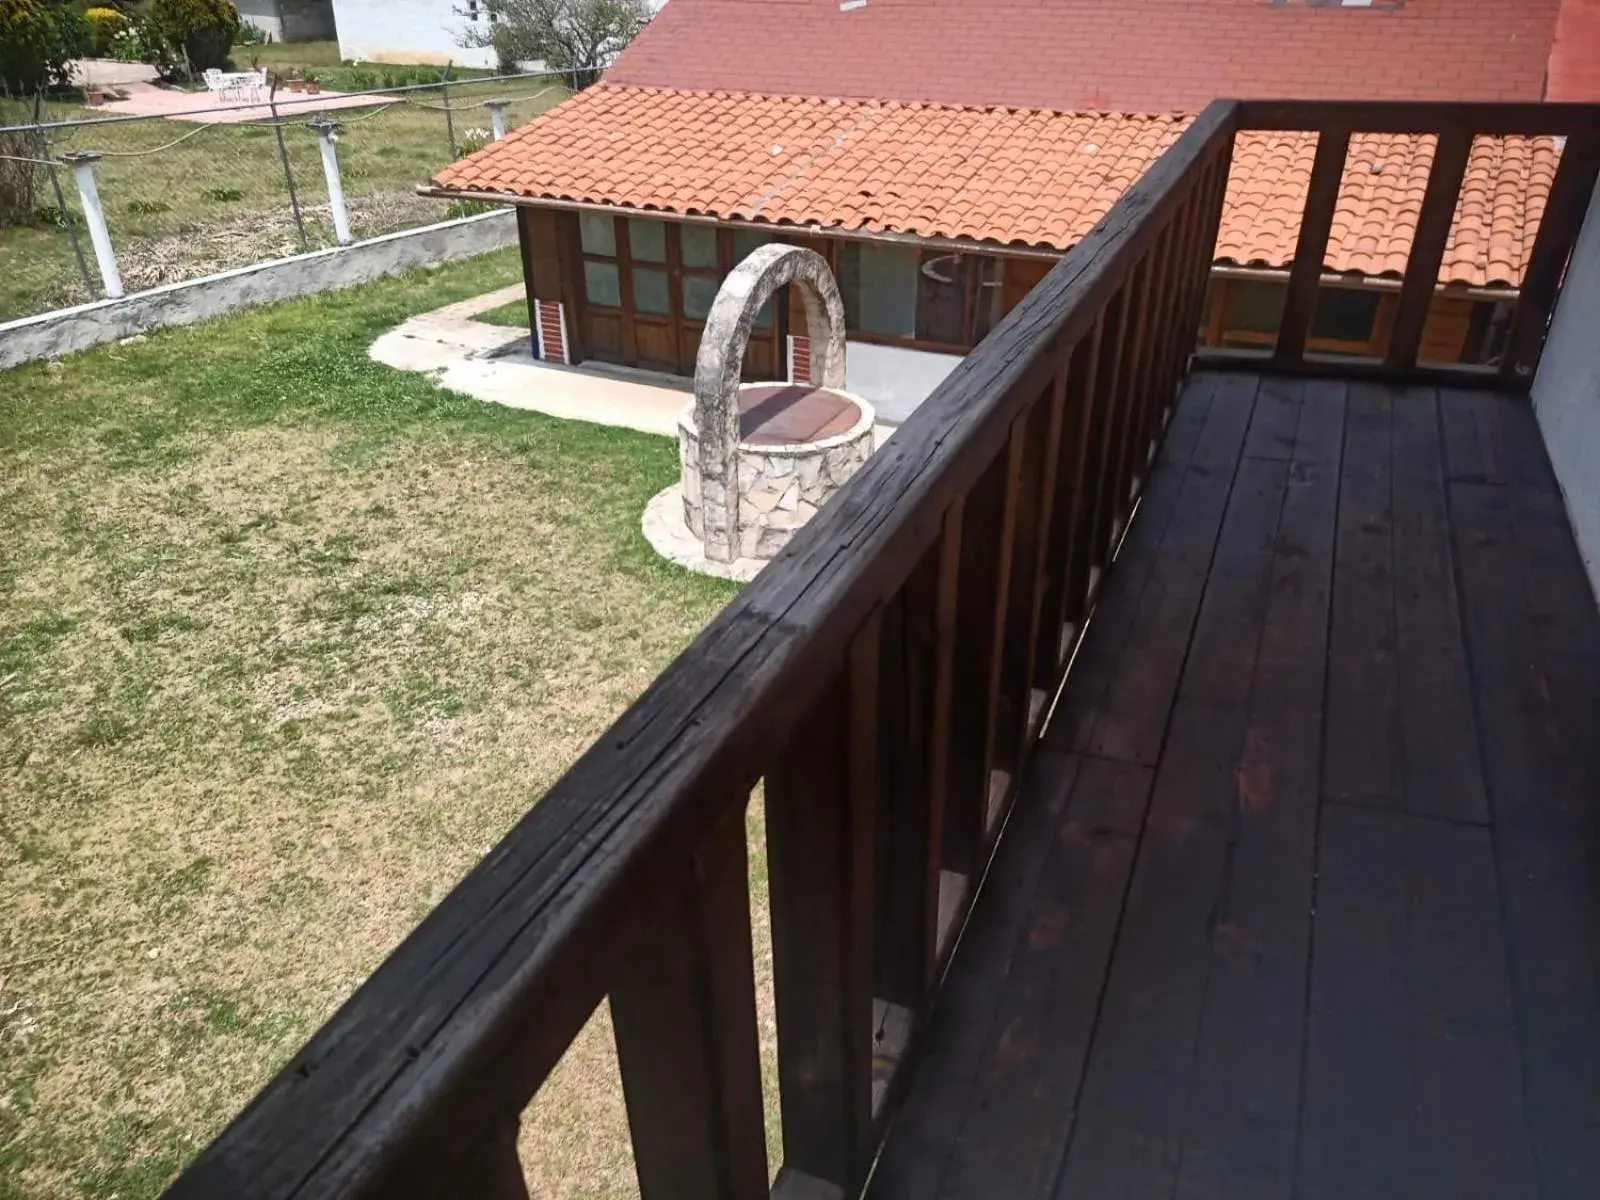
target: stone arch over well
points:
(717, 369)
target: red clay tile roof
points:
(1012, 177)
(1118, 55)
(1574, 72)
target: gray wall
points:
(1566, 392)
(69, 330)
(289, 20)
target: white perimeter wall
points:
(406, 31)
(893, 379)
(1566, 392)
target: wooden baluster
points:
(494, 1172)
(821, 818)
(1016, 707)
(1311, 248)
(687, 1043)
(1558, 232)
(1146, 363)
(1074, 500)
(1427, 247)
(1071, 439)
(1210, 224)
(988, 526)
(1128, 399)
(1190, 295)
(918, 637)
(1168, 330)
(1108, 396)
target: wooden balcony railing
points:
(885, 678)
(1454, 126)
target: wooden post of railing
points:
(1558, 232)
(1014, 664)
(685, 1017)
(1427, 247)
(1050, 558)
(1311, 249)
(988, 526)
(1065, 606)
(914, 698)
(1108, 385)
(495, 1171)
(821, 818)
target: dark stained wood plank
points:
(1130, 722)
(1470, 424)
(1439, 774)
(495, 1171)
(1362, 753)
(1413, 1080)
(1319, 438)
(1073, 500)
(1112, 396)
(1097, 663)
(821, 819)
(924, 1133)
(1545, 835)
(1427, 245)
(684, 1013)
(1130, 1125)
(1322, 196)
(1021, 1107)
(1275, 424)
(1241, 1131)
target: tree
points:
(579, 38)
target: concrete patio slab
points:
(144, 99)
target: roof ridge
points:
(868, 101)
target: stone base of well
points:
(781, 484)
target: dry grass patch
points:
(287, 641)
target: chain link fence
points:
(190, 194)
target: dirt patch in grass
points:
(275, 670)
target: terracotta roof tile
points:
(1127, 55)
(1003, 175)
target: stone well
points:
(760, 459)
(798, 444)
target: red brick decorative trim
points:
(799, 359)
(551, 331)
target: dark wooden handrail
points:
(1454, 126)
(883, 673)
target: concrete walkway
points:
(143, 99)
(495, 363)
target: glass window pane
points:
(602, 285)
(991, 295)
(647, 240)
(698, 246)
(698, 293)
(746, 240)
(650, 291)
(1344, 315)
(879, 284)
(942, 297)
(598, 233)
(1256, 307)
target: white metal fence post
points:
(497, 117)
(82, 165)
(326, 130)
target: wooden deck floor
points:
(1302, 896)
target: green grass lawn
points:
(219, 199)
(513, 315)
(288, 639)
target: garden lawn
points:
(513, 315)
(288, 640)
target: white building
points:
(411, 31)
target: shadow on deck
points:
(1300, 896)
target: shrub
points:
(19, 180)
(37, 37)
(104, 25)
(204, 30)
